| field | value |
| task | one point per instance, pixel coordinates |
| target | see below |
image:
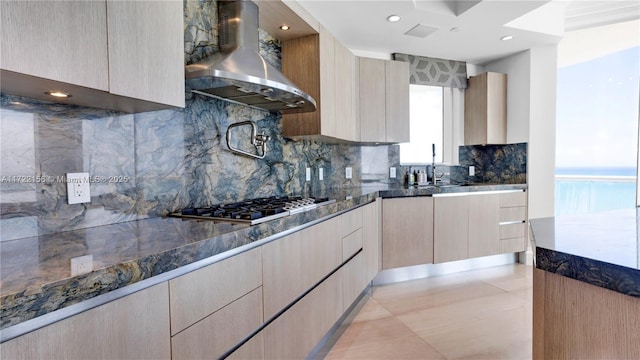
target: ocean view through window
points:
(597, 128)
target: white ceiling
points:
(362, 27)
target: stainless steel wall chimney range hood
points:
(238, 73)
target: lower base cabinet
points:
(133, 327)
(354, 280)
(450, 228)
(297, 331)
(207, 312)
(214, 335)
(407, 232)
(371, 244)
(484, 228)
(478, 224)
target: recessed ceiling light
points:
(284, 27)
(58, 94)
(393, 18)
(506, 37)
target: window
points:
(437, 117)
(597, 121)
(427, 122)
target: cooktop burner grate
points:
(254, 211)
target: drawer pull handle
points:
(513, 222)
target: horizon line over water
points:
(597, 171)
(582, 196)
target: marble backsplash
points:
(494, 164)
(151, 164)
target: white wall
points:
(531, 114)
(542, 131)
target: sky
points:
(597, 111)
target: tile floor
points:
(480, 314)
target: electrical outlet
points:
(321, 173)
(81, 265)
(308, 174)
(78, 188)
(392, 173)
(472, 170)
(348, 173)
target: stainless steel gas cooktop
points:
(254, 211)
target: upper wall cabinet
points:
(485, 109)
(324, 69)
(125, 56)
(383, 89)
(146, 50)
(64, 41)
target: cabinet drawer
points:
(293, 264)
(294, 334)
(218, 332)
(513, 245)
(513, 214)
(513, 199)
(198, 294)
(510, 231)
(351, 244)
(351, 221)
(354, 280)
(133, 327)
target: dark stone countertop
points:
(35, 272)
(601, 249)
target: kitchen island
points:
(586, 290)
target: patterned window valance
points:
(435, 72)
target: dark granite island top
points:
(601, 249)
(35, 272)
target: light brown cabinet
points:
(354, 278)
(484, 218)
(201, 293)
(86, 48)
(513, 222)
(217, 333)
(383, 100)
(150, 64)
(303, 277)
(211, 300)
(59, 40)
(297, 331)
(407, 232)
(397, 101)
(476, 224)
(321, 250)
(133, 327)
(371, 238)
(324, 69)
(485, 109)
(293, 264)
(450, 228)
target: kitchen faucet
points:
(257, 140)
(434, 179)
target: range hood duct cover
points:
(238, 73)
